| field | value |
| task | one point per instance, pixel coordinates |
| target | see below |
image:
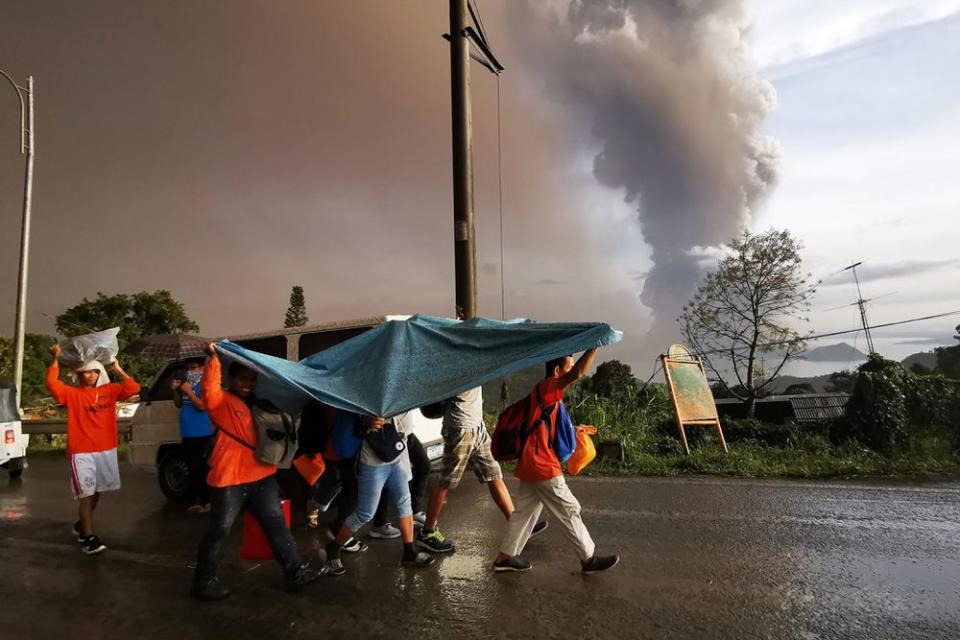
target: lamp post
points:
(26, 148)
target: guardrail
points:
(56, 426)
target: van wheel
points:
(174, 475)
(15, 473)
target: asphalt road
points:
(702, 558)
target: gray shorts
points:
(467, 447)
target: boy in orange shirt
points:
(542, 482)
(91, 436)
(239, 481)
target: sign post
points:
(692, 399)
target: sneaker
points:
(78, 531)
(434, 541)
(195, 508)
(335, 567)
(600, 563)
(313, 519)
(301, 577)
(385, 532)
(92, 546)
(513, 563)
(211, 589)
(421, 559)
(420, 518)
(354, 546)
(539, 528)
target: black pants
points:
(195, 450)
(420, 465)
(262, 499)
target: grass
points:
(751, 460)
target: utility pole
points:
(27, 131)
(462, 35)
(862, 304)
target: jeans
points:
(347, 500)
(196, 454)
(420, 465)
(262, 499)
(373, 480)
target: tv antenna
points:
(862, 304)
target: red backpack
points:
(511, 432)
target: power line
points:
(832, 334)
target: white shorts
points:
(95, 472)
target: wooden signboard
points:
(692, 399)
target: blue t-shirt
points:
(194, 423)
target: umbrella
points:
(171, 346)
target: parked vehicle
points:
(155, 433)
(13, 442)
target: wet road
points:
(701, 558)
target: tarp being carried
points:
(405, 364)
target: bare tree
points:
(746, 309)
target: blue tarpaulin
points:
(405, 364)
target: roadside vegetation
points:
(897, 423)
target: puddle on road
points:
(460, 566)
(13, 509)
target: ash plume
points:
(672, 98)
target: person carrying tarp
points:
(466, 443)
(238, 481)
(91, 436)
(383, 466)
(541, 478)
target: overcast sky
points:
(226, 151)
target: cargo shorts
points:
(467, 447)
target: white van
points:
(13, 442)
(155, 429)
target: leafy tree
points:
(138, 315)
(36, 356)
(744, 310)
(297, 311)
(841, 382)
(948, 359)
(799, 388)
(614, 379)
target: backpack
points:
(276, 434)
(511, 431)
(345, 434)
(564, 435)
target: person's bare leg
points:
(434, 507)
(500, 494)
(85, 511)
(405, 524)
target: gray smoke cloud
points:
(668, 90)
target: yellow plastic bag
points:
(585, 452)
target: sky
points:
(227, 151)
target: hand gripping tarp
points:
(405, 364)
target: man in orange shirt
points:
(91, 436)
(239, 481)
(541, 478)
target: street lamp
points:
(26, 148)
